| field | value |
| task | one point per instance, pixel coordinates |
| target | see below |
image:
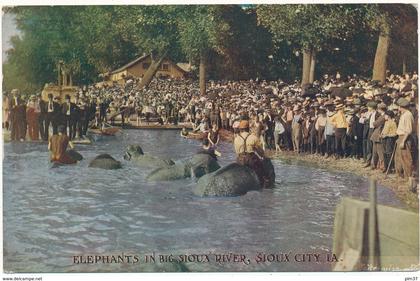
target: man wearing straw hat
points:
(340, 124)
(403, 157)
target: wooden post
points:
(373, 227)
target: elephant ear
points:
(139, 150)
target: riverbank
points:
(398, 185)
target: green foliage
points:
(240, 42)
(308, 25)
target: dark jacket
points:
(378, 124)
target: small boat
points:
(195, 136)
(225, 135)
(82, 141)
(111, 131)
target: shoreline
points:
(391, 181)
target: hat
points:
(357, 102)
(61, 128)
(393, 107)
(339, 106)
(244, 124)
(390, 113)
(371, 104)
(403, 102)
(382, 106)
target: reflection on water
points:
(50, 215)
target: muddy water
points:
(51, 215)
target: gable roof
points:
(139, 59)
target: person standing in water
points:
(58, 145)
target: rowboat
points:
(111, 131)
(82, 141)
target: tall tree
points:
(389, 20)
(152, 29)
(309, 26)
(200, 29)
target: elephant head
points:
(133, 151)
(201, 164)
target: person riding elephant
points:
(58, 146)
(249, 152)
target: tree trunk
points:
(381, 56)
(312, 68)
(404, 65)
(306, 66)
(203, 65)
(151, 71)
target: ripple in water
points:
(52, 214)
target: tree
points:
(152, 29)
(389, 20)
(309, 26)
(200, 29)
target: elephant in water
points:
(105, 161)
(233, 180)
(135, 153)
(74, 155)
(199, 165)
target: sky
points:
(8, 30)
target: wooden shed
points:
(139, 66)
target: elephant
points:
(234, 180)
(199, 165)
(105, 161)
(135, 153)
(74, 155)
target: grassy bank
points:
(398, 185)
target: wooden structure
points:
(138, 67)
(64, 85)
(371, 237)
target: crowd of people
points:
(334, 117)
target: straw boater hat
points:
(339, 106)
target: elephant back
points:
(231, 180)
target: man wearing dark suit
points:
(68, 111)
(372, 118)
(42, 117)
(53, 111)
(76, 118)
(84, 117)
(17, 116)
(377, 146)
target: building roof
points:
(184, 66)
(140, 59)
(137, 60)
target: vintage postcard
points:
(210, 138)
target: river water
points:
(51, 215)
